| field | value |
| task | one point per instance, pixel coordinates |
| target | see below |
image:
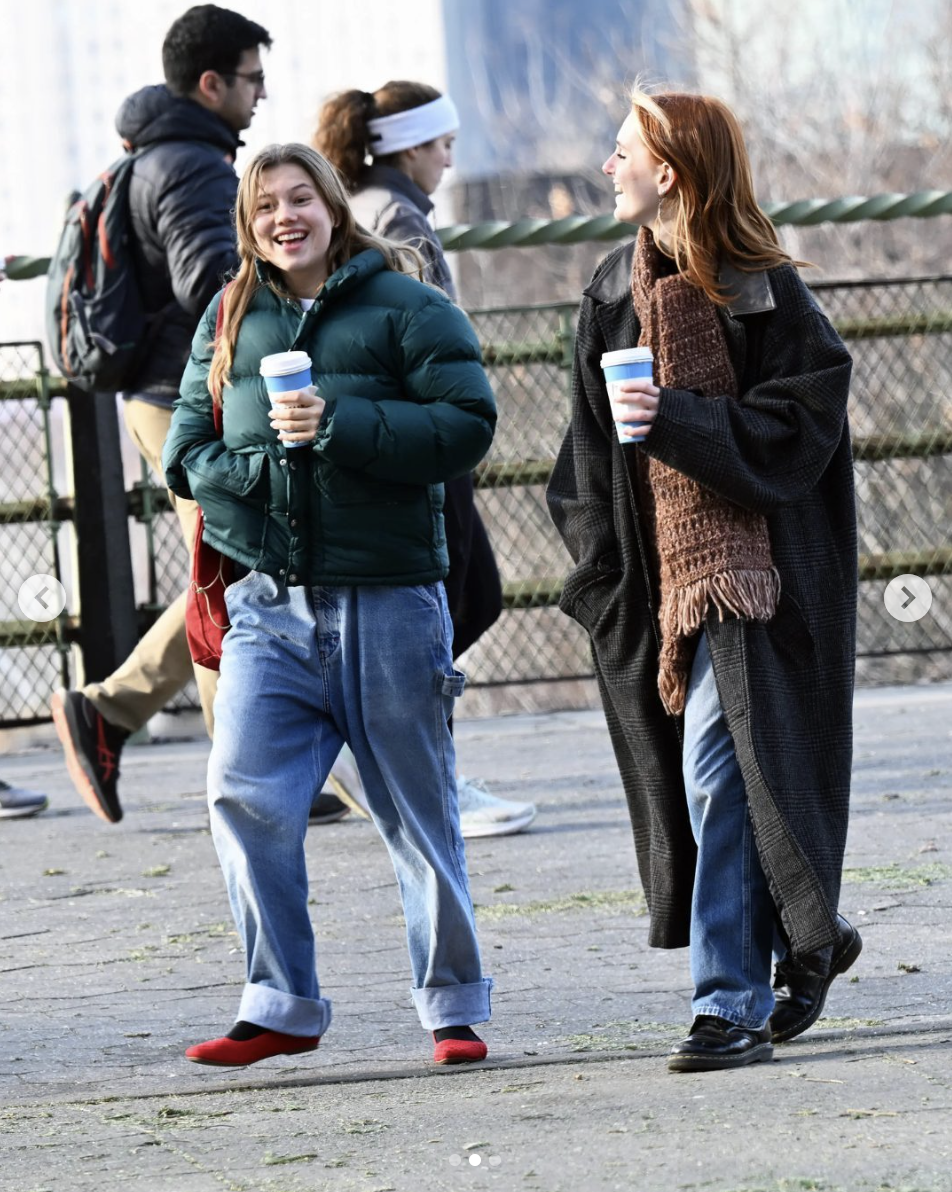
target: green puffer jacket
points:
(408, 406)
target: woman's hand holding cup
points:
(296, 414)
(632, 394)
(295, 407)
(635, 400)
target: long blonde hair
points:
(710, 213)
(347, 239)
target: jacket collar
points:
(359, 267)
(394, 180)
(154, 114)
(752, 292)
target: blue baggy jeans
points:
(732, 914)
(303, 670)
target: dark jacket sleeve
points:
(194, 455)
(771, 446)
(407, 223)
(193, 221)
(443, 426)
(579, 493)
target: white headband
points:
(416, 126)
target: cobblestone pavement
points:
(117, 951)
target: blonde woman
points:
(330, 507)
(715, 571)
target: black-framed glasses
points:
(253, 76)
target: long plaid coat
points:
(783, 450)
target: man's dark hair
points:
(207, 38)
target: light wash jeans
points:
(303, 670)
(732, 914)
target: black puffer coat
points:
(782, 449)
(182, 195)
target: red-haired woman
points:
(408, 130)
(715, 554)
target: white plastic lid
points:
(284, 364)
(627, 356)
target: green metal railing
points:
(900, 334)
(579, 229)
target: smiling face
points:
(640, 178)
(293, 228)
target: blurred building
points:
(540, 83)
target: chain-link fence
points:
(900, 334)
(34, 656)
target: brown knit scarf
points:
(712, 552)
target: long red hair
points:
(710, 214)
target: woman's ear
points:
(667, 179)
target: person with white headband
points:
(407, 131)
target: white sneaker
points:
(483, 814)
(344, 780)
(16, 803)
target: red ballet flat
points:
(235, 1053)
(459, 1051)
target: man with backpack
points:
(181, 192)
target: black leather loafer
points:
(715, 1043)
(799, 994)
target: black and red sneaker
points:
(92, 746)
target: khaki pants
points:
(160, 665)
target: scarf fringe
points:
(750, 595)
(673, 689)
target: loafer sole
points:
(713, 1063)
(844, 961)
(84, 782)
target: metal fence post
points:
(104, 560)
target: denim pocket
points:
(238, 582)
(452, 685)
(429, 594)
(238, 590)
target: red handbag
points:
(206, 617)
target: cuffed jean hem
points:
(279, 1011)
(699, 1008)
(453, 1005)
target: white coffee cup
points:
(285, 372)
(624, 365)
